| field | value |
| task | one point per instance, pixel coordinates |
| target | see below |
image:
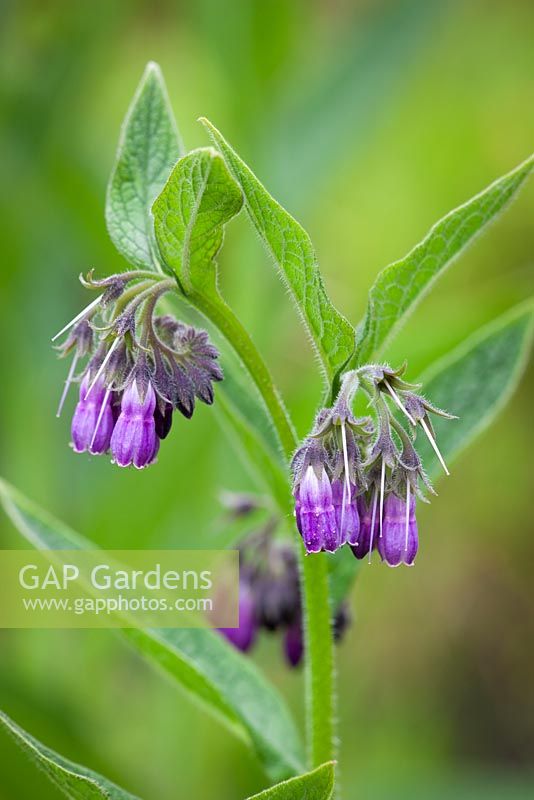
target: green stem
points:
(224, 318)
(319, 649)
(320, 690)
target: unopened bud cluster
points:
(355, 480)
(139, 368)
(269, 596)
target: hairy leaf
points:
(201, 661)
(76, 782)
(399, 287)
(199, 197)
(292, 250)
(315, 785)
(149, 145)
(475, 381)
(255, 451)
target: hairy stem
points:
(320, 693)
(232, 329)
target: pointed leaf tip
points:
(73, 780)
(149, 145)
(315, 785)
(400, 286)
(293, 253)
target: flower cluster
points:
(140, 368)
(269, 596)
(355, 480)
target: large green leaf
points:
(256, 454)
(475, 381)
(76, 782)
(315, 785)
(201, 661)
(149, 145)
(199, 197)
(399, 287)
(292, 250)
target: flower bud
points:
(244, 635)
(341, 622)
(294, 644)
(277, 589)
(163, 419)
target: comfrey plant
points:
(351, 485)
(141, 367)
(269, 594)
(355, 480)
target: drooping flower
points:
(163, 418)
(316, 518)
(244, 635)
(294, 636)
(294, 643)
(368, 527)
(92, 423)
(344, 499)
(327, 480)
(362, 467)
(398, 541)
(178, 364)
(134, 440)
(276, 586)
(269, 595)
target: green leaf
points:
(399, 287)
(201, 661)
(316, 785)
(189, 217)
(148, 147)
(254, 450)
(292, 250)
(76, 782)
(199, 197)
(475, 381)
(231, 686)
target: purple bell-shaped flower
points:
(316, 519)
(368, 537)
(346, 510)
(244, 635)
(92, 423)
(134, 440)
(398, 540)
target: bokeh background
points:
(368, 120)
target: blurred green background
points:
(369, 120)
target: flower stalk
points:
(318, 639)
